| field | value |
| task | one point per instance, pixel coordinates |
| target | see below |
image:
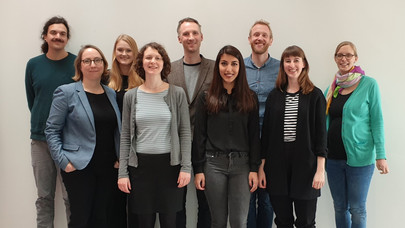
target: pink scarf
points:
(343, 81)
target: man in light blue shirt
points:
(261, 72)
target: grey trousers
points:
(45, 174)
(227, 189)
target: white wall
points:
(376, 27)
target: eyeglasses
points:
(96, 61)
(347, 56)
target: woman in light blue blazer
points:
(83, 131)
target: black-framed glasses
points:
(347, 56)
(96, 61)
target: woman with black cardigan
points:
(294, 143)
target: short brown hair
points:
(187, 19)
(78, 63)
(166, 60)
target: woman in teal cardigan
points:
(355, 137)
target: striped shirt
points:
(290, 116)
(153, 119)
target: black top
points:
(227, 131)
(336, 149)
(292, 174)
(121, 93)
(105, 122)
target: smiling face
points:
(123, 53)
(190, 37)
(345, 59)
(229, 70)
(152, 62)
(293, 66)
(94, 69)
(260, 39)
(56, 37)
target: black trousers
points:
(90, 194)
(204, 215)
(305, 211)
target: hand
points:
(116, 164)
(262, 178)
(184, 179)
(199, 181)
(70, 168)
(319, 179)
(124, 184)
(382, 165)
(253, 181)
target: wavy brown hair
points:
(166, 60)
(305, 83)
(115, 73)
(217, 100)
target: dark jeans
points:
(260, 210)
(305, 211)
(227, 188)
(349, 188)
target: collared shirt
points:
(262, 80)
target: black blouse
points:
(227, 131)
(105, 122)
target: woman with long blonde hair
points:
(122, 74)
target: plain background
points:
(376, 27)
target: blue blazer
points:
(70, 129)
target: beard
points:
(260, 51)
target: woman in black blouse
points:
(83, 133)
(122, 74)
(294, 143)
(226, 141)
(122, 78)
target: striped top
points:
(290, 116)
(153, 119)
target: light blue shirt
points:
(262, 80)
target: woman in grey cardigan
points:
(155, 154)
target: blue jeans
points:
(349, 188)
(227, 189)
(260, 213)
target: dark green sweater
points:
(42, 77)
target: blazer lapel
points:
(201, 78)
(85, 102)
(178, 69)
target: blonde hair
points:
(261, 22)
(115, 73)
(78, 63)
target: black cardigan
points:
(293, 177)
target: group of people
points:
(256, 132)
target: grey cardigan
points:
(180, 131)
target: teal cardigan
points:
(362, 124)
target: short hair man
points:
(194, 74)
(261, 72)
(43, 75)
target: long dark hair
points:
(216, 99)
(53, 20)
